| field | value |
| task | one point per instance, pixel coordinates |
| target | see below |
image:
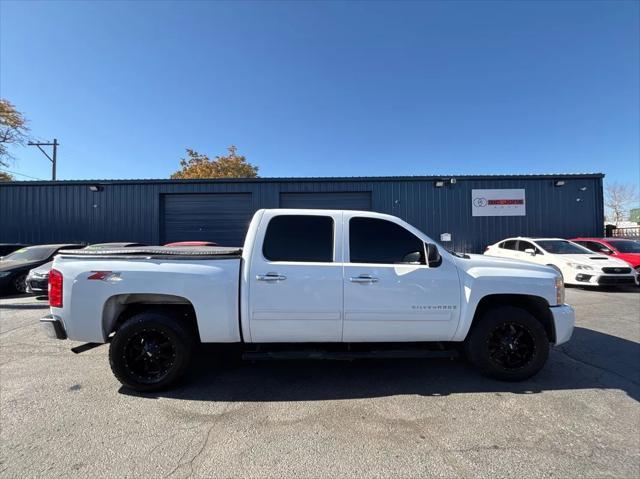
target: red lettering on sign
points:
(506, 202)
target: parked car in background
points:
(38, 278)
(15, 266)
(577, 264)
(7, 248)
(192, 243)
(625, 249)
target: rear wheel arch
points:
(537, 306)
(118, 309)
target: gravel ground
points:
(64, 414)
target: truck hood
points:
(478, 260)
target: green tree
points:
(13, 129)
(232, 165)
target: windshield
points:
(562, 247)
(626, 246)
(33, 253)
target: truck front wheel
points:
(508, 343)
(150, 351)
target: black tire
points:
(151, 351)
(507, 343)
(19, 284)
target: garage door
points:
(219, 217)
(352, 200)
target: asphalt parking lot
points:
(64, 414)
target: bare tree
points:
(619, 198)
(13, 129)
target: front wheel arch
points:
(535, 305)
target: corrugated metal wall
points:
(45, 212)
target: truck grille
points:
(616, 270)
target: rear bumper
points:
(564, 319)
(53, 327)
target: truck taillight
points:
(55, 288)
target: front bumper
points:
(594, 278)
(53, 327)
(37, 285)
(564, 319)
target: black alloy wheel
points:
(511, 346)
(151, 350)
(508, 343)
(20, 284)
(149, 355)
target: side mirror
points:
(433, 255)
(606, 251)
(414, 257)
(530, 251)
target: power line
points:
(21, 174)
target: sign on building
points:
(505, 202)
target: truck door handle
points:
(271, 277)
(363, 278)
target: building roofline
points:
(357, 179)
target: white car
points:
(578, 265)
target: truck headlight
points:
(580, 266)
(559, 290)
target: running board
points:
(85, 347)
(348, 355)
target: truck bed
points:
(151, 252)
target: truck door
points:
(295, 280)
(390, 292)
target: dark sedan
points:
(15, 266)
(7, 248)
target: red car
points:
(192, 243)
(625, 249)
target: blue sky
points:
(327, 89)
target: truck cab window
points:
(373, 240)
(299, 238)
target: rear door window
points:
(509, 244)
(299, 238)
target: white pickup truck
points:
(313, 277)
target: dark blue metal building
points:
(160, 211)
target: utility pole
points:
(55, 154)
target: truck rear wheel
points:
(150, 351)
(508, 343)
